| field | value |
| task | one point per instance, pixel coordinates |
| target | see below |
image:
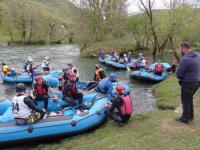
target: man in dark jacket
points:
(188, 73)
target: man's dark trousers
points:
(187, 92)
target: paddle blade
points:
(128, 69)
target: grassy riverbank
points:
(124, 45)
(153, 131)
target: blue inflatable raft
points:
(117, 65)
(83, 85)
(147, 75)
(67, 122)
(51, 78)
(106, 59)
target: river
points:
(60, 55)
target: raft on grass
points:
(67, 122)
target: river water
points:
(60, 55)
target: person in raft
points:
(105, 86)
(28, 66)
(72, 69)
(159, 68)
(5, 69)
(46, 66)
(120, 108)
(24, 109)
(98, 76)
(71, 93)
(40, 91)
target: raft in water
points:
(146, 75)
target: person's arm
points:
(181, 68)
(110, 89)
(51, 90)
(31, 105)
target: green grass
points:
(155, 130)
(117, 45)
(167, 93)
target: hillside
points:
(36, 14)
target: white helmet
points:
(30, 59)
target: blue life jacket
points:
(106, 86)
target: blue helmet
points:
(113, 76)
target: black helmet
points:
(20, 87)
(3, 64)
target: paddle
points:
(128, 69)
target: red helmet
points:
(38, 78)
(72, 75)
(119, 89)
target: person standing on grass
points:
(188, 73)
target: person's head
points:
(72, 76)
(38, 80)
(65, 70)
(159, 61)
(3, 64)
(140, 54)
(174, 61)
(69, 66)
(30, 59)
(20, 88)
(97, 66)
(113, 77)
(185, 48)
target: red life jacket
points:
(127, 106)
(146, 62)
(134, 66)
(159, 68)
(40, 90)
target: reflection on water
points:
(60, 55)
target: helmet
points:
(30, 59)
(38, 78)
(113, 76)
(3, 64)
(72, 75)
(119, 89)
(20, 87)
(140, 54)
(46, 57)
(65, 69)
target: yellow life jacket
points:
(5, 69)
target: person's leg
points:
(34, 117)
(191, 116)
(80, 100)
(46, 100)
(187, 92)
(92, 86)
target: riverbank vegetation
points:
(153, 130)
(35, 21)
(101, 24)
(103, 21)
